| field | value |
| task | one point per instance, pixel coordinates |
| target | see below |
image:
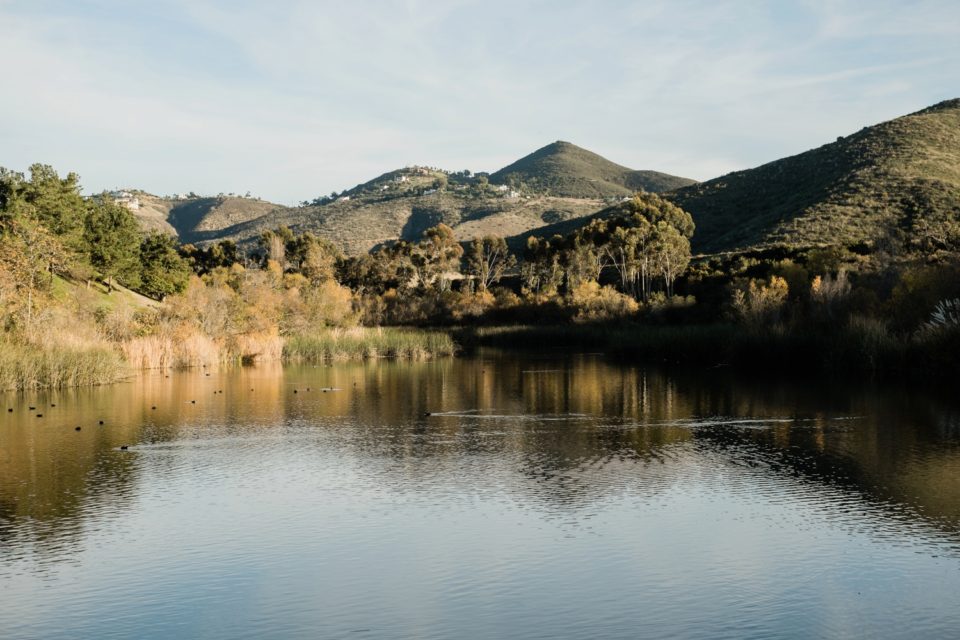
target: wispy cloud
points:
(299, 98)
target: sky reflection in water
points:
(562, 497)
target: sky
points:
(294, 99)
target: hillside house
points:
(126, 199)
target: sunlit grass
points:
(362, 343)
(29, 367)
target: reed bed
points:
(164, 352)
(24, 367)
(249, 348)
(362, 343)
(193, 349)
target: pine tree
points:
(163, 271)
(112, 238)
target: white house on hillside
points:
(126, 199)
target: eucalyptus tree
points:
(541, 271)
(671, 254)
(635, 257)
(488, 258)
(435, 257)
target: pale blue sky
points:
(293, 99)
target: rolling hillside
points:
(894, 186)
(560, 182)
(566, 170)
(360, 225)
(198, 219)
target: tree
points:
(655, 209)
(56, 202)
(314, 257)
(589, 242)
(481, 183)
(29, 256)
(626, 250)
(112, 238)
(671, 254)
(757, 302)
(652, 240)
(360, 273)
(222, 254)
(11, 188)
(541, 271)
(580, 263)
(435, 257)
(487, 260)
(163, 271)
(48, 200)
(274, 245)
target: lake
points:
(557, 495)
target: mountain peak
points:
(561, 145)
(563, 169)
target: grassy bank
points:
(25, 366)
(361, 343)
(29, 367)
(859, 348)
(334, 344)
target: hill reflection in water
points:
(473, 481)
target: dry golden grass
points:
(31, 367)
(360, 343)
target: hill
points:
(566, 170)
(195, 219)
(560, 182)
(893, 186)
(360, 224)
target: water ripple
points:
(611, 501)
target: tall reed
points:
(190, 348)
(30, 367)
(171, 352)
(360, 343)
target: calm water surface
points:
(543, 497)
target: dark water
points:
(562, 497)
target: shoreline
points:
(858, 351)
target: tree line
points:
(633, 258)
(50, 229)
